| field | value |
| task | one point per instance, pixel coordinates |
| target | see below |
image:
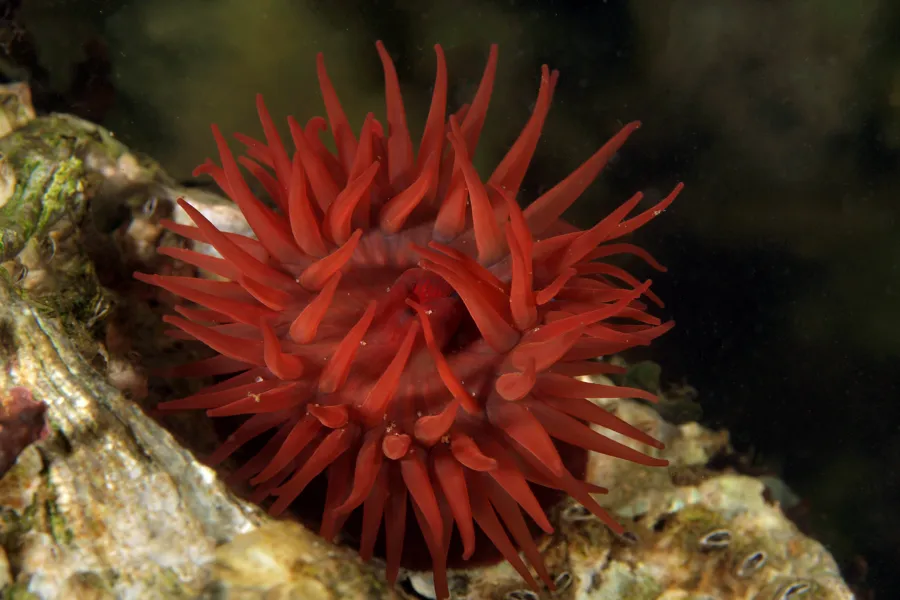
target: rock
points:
(691, 533)
(117, 504)
(286, 560)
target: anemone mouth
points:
(405, 334)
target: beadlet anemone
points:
(403, 329)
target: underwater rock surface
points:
(691, 533)
(109, 504)
(709, 533)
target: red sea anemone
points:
(404, 329)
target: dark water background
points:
(783, 119)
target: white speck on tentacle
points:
(258, 379)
